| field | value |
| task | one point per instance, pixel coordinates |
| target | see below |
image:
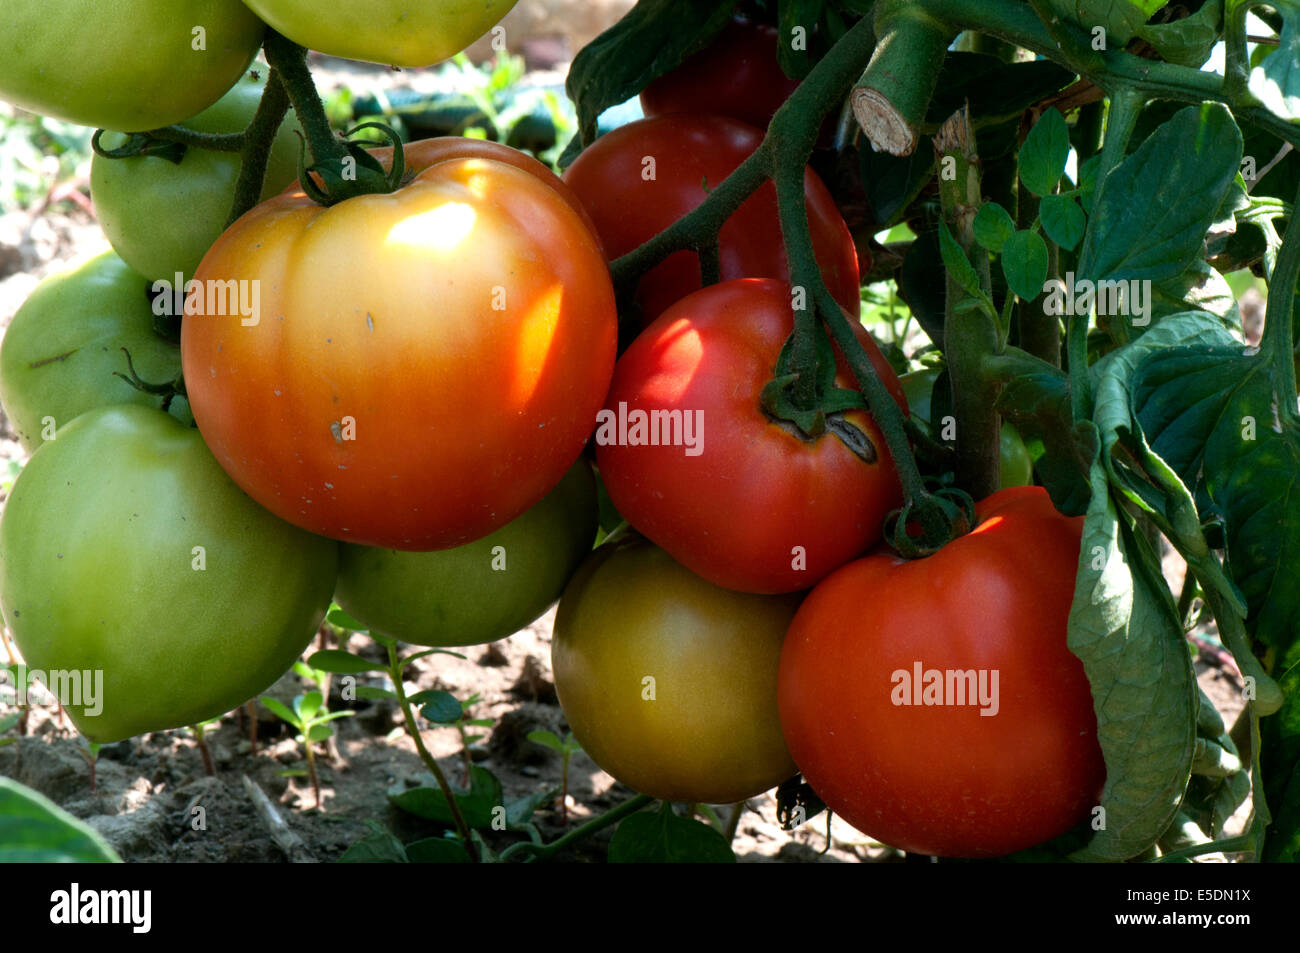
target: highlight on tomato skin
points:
(888, 726)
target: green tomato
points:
(125, 550)
(392, 32)
(58, 358)
(479, 592)
(163, 216)
(130, 65)
(1017, 466)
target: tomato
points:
(422, 153)
(422, 367)
(669, 682)
(127, 66)
(640, 178)
(479, 592)
(162, 216)
(126, 551)
(744, 502)
(392, 32)
(736, 75)
(59, 356)
(955, 780)
(1017, 466)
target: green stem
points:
(1125, 107)
(290, 61)
(212, 141)
(413, 729)
(546, 851)
(258, 139)
(1040, 332)
(1279, 317)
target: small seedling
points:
(437, 706)
(90, 752)
(311, 719)
(199, 732)
(567, 749)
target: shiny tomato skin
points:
(736, 511)
(631, 200)
(736, 75)
(669, 682)
(944, 779)
(425, 366)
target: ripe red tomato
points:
(640, 178)
(423, 367)
(736, 75)
(910, 765)
(751, 506)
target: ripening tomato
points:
(669, 682)
(934, 703)
(640, 178)
(736, 75)
(733, 495)
(416, 369)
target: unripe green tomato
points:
(64, 346)
(162, 216)
(128, 555)
(668, 681)
(1017, 466)
(484, 590)
(131, 65)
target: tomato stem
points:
(256, 146)
(289, 60)
(610, 817)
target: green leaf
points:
(1189, 41)
(546, 739)
(1276, 82)
(377, 847)
(476, 804)
(319, 732)
(306, 705)
(997, 92)
(520, 811)
(1039, 407)
(339, 662)
(652, 39)
(1044, 153)
(1024, 264)
(958, 265)
(441, 708)
(1063, 220)
(8, 721)
(1200, 288)
(338, 617)
(34, 830)
(370, 693)
(1121, 19)
(1153, 210)
(993, 226)
(664, 838)
(1125, 629)
(437, 850)
(892, 182)
(277, 708)
(1280, 767)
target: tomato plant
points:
(137, 198)
(101, 65)
(482, 591)
(465, 364)
(999, 756)
(391, 32)
(640, 178)
(669, 682)
(64, 347)
(117, 542)
(731, 493)
(736, 75)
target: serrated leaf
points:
(1044, 153)
(1153, 210)
(1063, 220)
(662, 837)
(33, 829)
(339, 662)
(993, 225)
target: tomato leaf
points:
(665, 838)
(1280, 767)
(652, 39)
(1276, 81)
(33, 829)
(1044, 153)
(1189, 41)
(1039, 407)
(1120, 19)
(1153, 210)
(959, 267)
(1024, 264)
(1125, 629)
(1063, 220)
(340, 662)
(1200, 288)
(993, 226)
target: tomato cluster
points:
(386, 402)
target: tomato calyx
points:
(168, 390)
(357, 172)
(825, 414)
(924, 525)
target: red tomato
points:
(736, 75)
(642, 177)
(738, 499)
(923, 772)
(423, 366)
